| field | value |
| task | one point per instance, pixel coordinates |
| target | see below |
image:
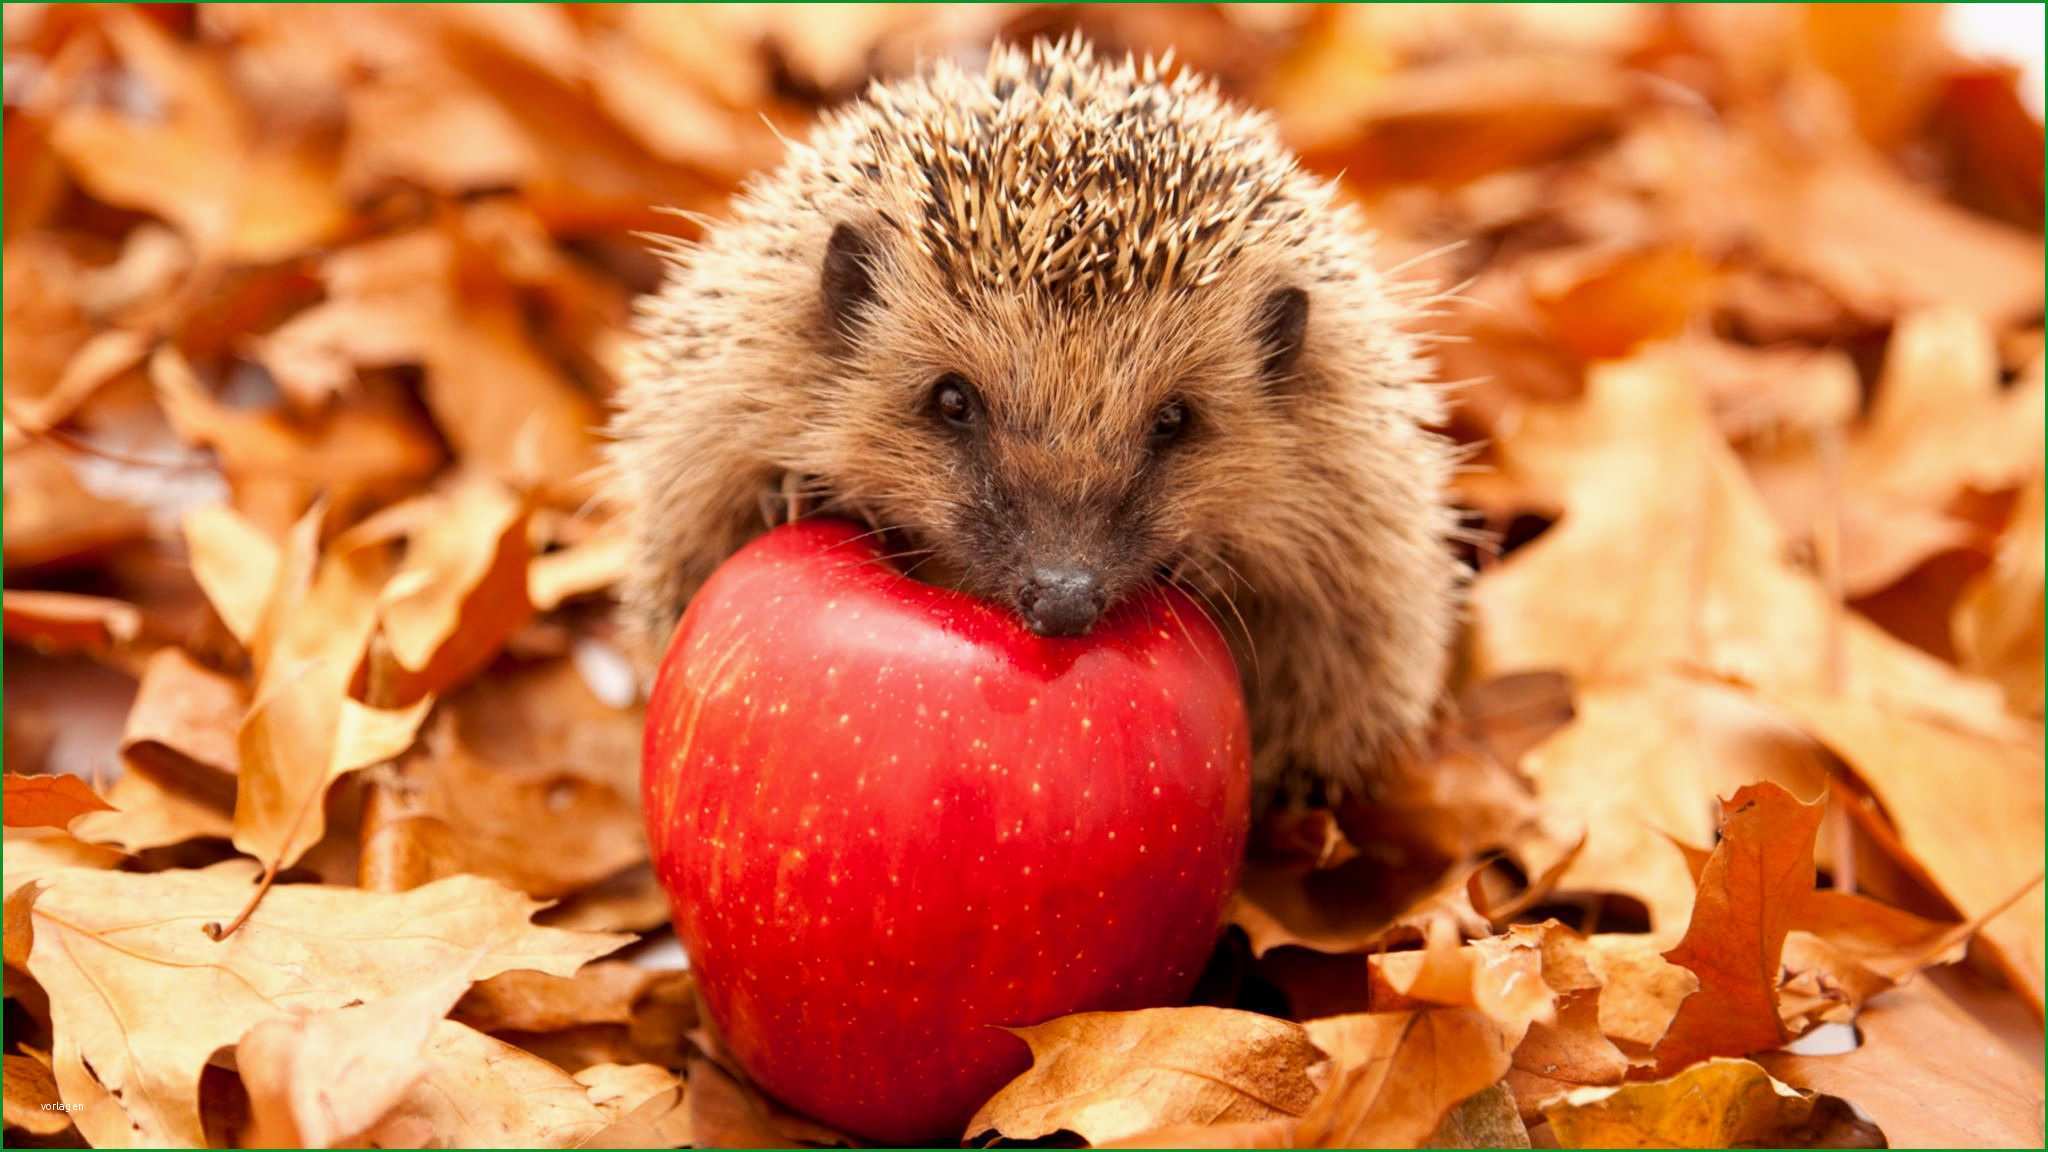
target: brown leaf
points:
(147, 997)
(1487, 1119)
(591, 565)
(1998, 621)
(181, 728)
(31, 1097)
(1396, 1076)
(202, 165)
(235, 563)
(1465, 118)
(51, 518)
(604, 992)
(303, 731)
(1941, 422)
(49, 801)
(151, 814)
(1754, 890)
(725, 1113)
(1719, 595)
(65, 622)
(644, 1105)
(1714, 1104)
(1570, 1052)
(1929, 1074)
(1640, 990)
(443, 811)
(277, 465)
(318, 1078)
(1643, 764)
(479, 1092)
(1977, 844)
(1107, 1075)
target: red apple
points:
(890, 818)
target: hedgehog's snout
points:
(1063, 601)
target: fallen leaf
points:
(1998, 621)
(1107, 1075)
(181, 728)
(1643, 764)
(1976, 844)
(1929, 1074)
(66, 622)
(1714, 1104)
(114, 949)
(1754, 889)
(150, 814)
(1640, 991)
(1396, 1076)
(644, 1104)
(604, 992)
(479, 1092)
(303, 731)
(727, 1113)
(235, 563)
(1487, 1119)
(30, 1094)
(50, 518)
(49, 801)
(592, 565)
(1719, 596)
(318, 1078)
(1941, 423)
(202, 165)
(460, 590)
(444, 811)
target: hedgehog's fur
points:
(1081, 240)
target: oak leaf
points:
(49, 801)
(1107, 1075)
(141, 998)
(1717, 1103)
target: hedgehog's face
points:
(1050, 458)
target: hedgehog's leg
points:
(1351, 660)
(695, 489)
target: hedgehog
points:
(1061, 326)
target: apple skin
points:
(890, 818)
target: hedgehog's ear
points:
(1283, 329)
(848, 279)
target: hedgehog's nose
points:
(1060, 601)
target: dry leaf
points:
(644, 1106)
(1487, 1119)
(318, 1078)
(478, 1092)
(1108, 1075)
(1714, 1104)
(1718, 596)
(1753, 891)
(141, 998)
(1998, 620)
(64, 622)
(1643, 765)
(724, 1113)
(181, 728)
(31, 1097)
(444, 811)
(1396, 1076)
(151, 814)
(50, 518)
(1978, 844)
(49, 801)
(1929, 1074)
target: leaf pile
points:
(321, 750)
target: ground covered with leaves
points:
(322, 757)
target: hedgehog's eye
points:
(1168, 423)
(954, 401)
